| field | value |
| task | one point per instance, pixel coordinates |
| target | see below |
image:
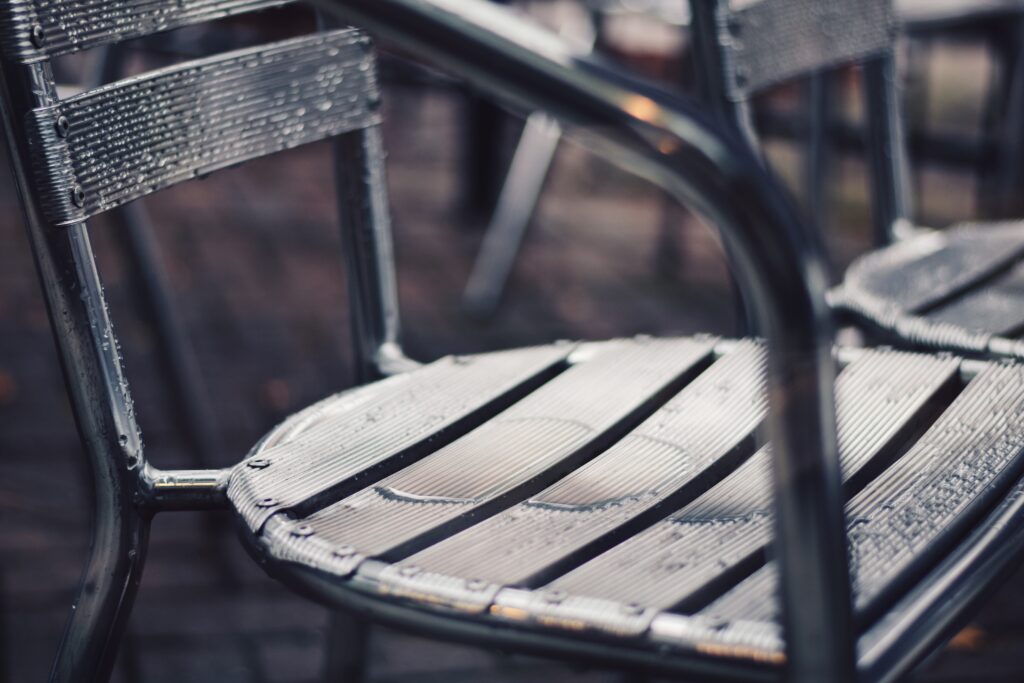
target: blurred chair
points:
(607, 502)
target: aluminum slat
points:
(688, 445)
(915, 511)
(404, 417)
(543, 437)
(994, 308)
(716, 539)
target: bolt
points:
(475, 585)
(266, 502)
(63, 126)
(633, 609)
(38, 36)
(258, 464)
(343, 551)
(78, 196)
(303, 531)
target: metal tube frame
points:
(671, 141)
(678, 146)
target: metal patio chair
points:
(535, 151)
(612, 502)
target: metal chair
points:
(490, 498)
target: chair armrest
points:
(674, 143)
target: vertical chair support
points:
(674, 145)
(101, 402)
(369, 265)
(890, 176)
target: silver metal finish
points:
(147, 133)
(681, 561)
(958, 289)
(389, 428)
(770, 41)
(33, 30)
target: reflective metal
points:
(33, 30)
(674, 144)
(143, 134)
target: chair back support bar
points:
(118, 143)
(769, 41)
(32, 30)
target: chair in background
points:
(490, 498)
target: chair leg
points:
(348, 641)
(105, 595)
(516, 205)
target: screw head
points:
(303, 531)
(38, 36)
(475, 585)
(78, 196)
(258, 464)
(554, 597)
(633, 609)
(409, 571)
(266, 502)
(343, 551)
(63, 126)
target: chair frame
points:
(670, 141)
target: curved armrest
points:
(675, 144)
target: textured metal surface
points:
(547, 434)
(708, 543)
(109, 146)
(690, 443)
(396, 420)
(769, 41)
(911, 515)
(34, 29)
(953, 290)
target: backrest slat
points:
(31, 30)
(769, 41)
(106, 147)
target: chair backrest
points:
(78, 157)
(745, 46)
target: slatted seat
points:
(961, 289)
(544, 518)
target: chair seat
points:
(622, 489)
(960, 290)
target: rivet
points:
(633, 609)
(343, 551)
(38, 36)
(554, 597)
(476, 585)
(266, 502)
(374, 101)
(63, 125)
(461, 360)
(409, 571)
(78, 195)
(304, 531)
(258, 464)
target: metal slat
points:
(994, 308)
(31, 30)
(114, 144)
(543, 437)
(771, 41)
(920, 273)
(691, 442)
(916, 510)
(719, 536)
(401, 418)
